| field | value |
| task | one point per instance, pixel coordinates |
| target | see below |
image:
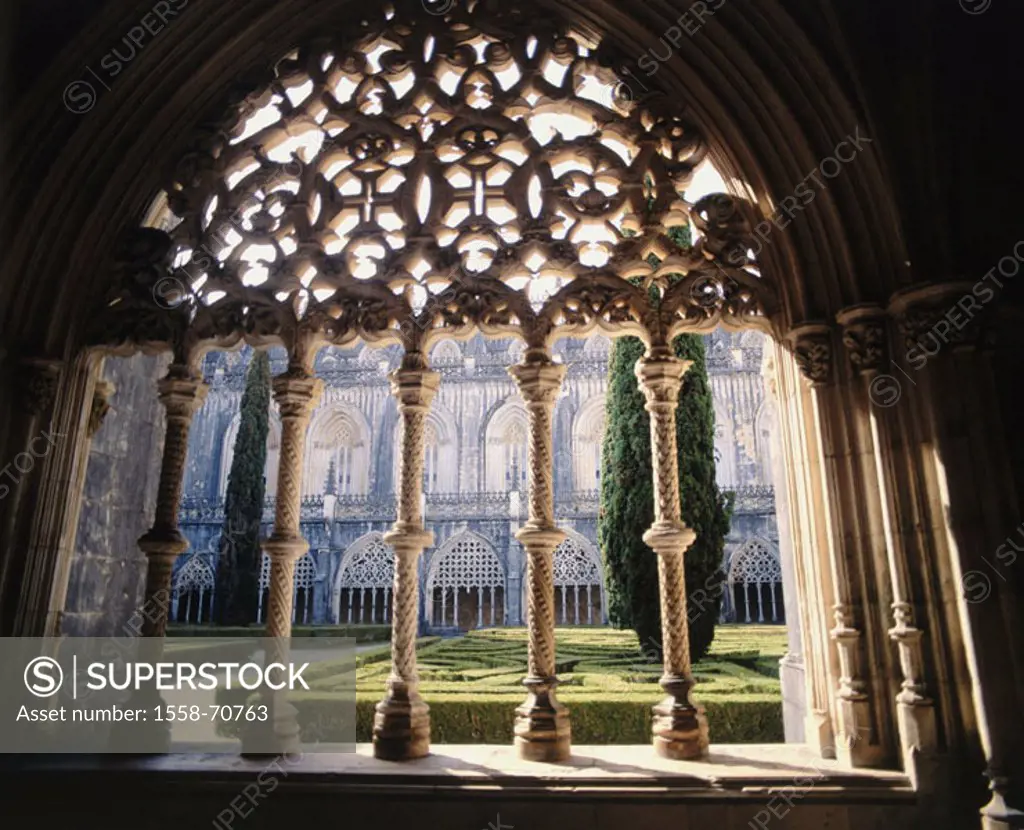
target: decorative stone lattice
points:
(305, 572)
(370, 566)
(193, 591)
(755, 562)
(755, 569)
(194, 575)
(436, 173)
(467, 561)
(574, 565)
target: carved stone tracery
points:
(434, 173)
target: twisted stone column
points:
(401, 726)
(680, 728)
(542, 730)
(296, 392)
(182, 394)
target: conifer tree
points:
(627, 498)
(238, 565)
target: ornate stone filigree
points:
(434, 172)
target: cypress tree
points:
(238, 565)
(627, 498)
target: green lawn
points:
(473, 684)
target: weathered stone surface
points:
(108, 570)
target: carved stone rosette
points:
(680, 727)
(182, 394)
(542, 731)
(401, 726)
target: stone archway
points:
(362, 590)
(465, 586)
(768, 132)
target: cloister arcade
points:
(395, 176)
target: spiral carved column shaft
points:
(181, 394)
(296, 393)
(542, 731)
(680, 728)
(401, 727)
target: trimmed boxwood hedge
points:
(489, 720)
(473, 685)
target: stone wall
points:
(108, 570)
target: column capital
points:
(181, 393)
(538, 381)
(932, 316)
(414, 387)
(660, 374)
(865, 337)
(812, 348)
(296, 393)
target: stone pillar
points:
(296, 392)
(181, 393)
(839, 437)
(680, 728)
(974, 509)
(814, 595)
(401, 725)
(34, 387)
(866, 338)
(542, 731)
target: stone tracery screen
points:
(192, 597)
(578, 584)
(444, 172)
(756, 568)
(365, 583)
(466, 584)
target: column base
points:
(401, 729)
(277, 736)
(679, 728)
(542, 731)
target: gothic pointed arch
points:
(192, 592)
(338, 433)
(465, 585)
(426, 175)
(579, 586)
(505, 451)
(365, 578)
(755, 582)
